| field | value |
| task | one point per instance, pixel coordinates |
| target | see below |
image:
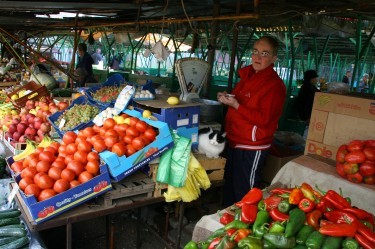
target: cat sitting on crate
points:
(211, 142)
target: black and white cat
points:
(211, 142)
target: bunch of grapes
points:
(76, 115)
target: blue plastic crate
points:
(78, 101)
(114, 80)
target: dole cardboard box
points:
(120, 167)
(337, 119)
(60, 203)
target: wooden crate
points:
(160, 188)
(213, 166)
(135, 187)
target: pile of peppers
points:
(300, 217)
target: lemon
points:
(120, 120)
(173, 101)
(14, 97)
(146, 114)
(127, 121)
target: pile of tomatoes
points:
(122, 139)
(355, 161)
(55, 169)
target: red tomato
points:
(28, 159)
(69, 137)
(68, 175)
(50, 149)
(38, 150)
(111, 132)
(369, 153)
(102, 131)
(17, 166)
(93, 156)
(85, 176)
(45, 182)
(109, 123)
(55, 145)
(37, 176)
(355, 145)
(62, 148)
(61, 185)
(133, 121)
(356, 177)
(46, 194)
(150, 133)
(130, 150)
(47, 156)
(74, 183)
(141, 126)
(84, 146)
(58, 164)
(29, 172)
(369, 179)
(80, 140)
(89, 131)
(96, 128)
(55, 173)
(121, 127)
(81, 135)
(32, 189)
(71, 148)
(99, 145)
(33, 162)
(110, 141)
(68, 159)
(138, 143)
(119, 149)
(81, 156)
(59, 159)
(43, 166)
(93, 167)
(367, 168)
(76, 167)
(24, 182)
(128, 139)
(145, 139)
(132, 131)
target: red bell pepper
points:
(356, 177)
(324, 222)
(369, 153)
(249, 213)
(295, 196)
(277, 215)
(272, 202)
(355, 145)
(340, 216)
(340, 169)
(361, 214)
(336, 199)
(313, 218)
(252, 197)
(231, 231)
(280, 191)
(350, 168)
(240, 234)
(338, 230)
(365, 243)
(306, 205)
(214, 243)
(226, 218)
(356, 156)
(370, 143)
(324, 205)
(308, 191)
(366, 232)
(341, 152)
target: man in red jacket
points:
(254, 109)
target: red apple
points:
(45, 127)
(16, 121)
(30, 131)
(21, 127)
(16, 136)
(12, 128)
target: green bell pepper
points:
(277, 227)
(332, 243)
(250, 243)
(218, 233)
(204, 245)
(315, 240)
(350, 243)
(303, 234)
(280, 241)
(261, 230)
(284, 206)
(296, 220)
(191, 245)
(237, 224)
(261, 205)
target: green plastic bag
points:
(173, 163)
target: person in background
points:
(97, 56)
(85, 62)
(251, 120)
(347, 77)
(305, 98)
(363, 84)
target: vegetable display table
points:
(324, 175)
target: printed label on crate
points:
(62, 122)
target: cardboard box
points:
(273, 164)
(338, 119)
(183, 117)
(120, 167)
(213, 166)
(60, 203)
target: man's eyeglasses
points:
(262, 54)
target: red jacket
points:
(261, 97)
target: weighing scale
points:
(192, 74)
